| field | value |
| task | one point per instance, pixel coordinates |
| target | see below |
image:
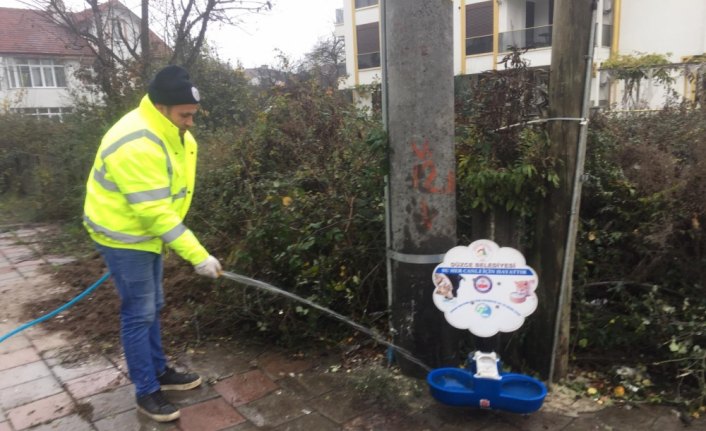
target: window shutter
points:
(479, 19)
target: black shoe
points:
(172, 380)
(157, 408)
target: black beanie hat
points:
(171, 86)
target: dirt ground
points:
(95, 319)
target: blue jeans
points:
(138, 277)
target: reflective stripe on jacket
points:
(141, 186)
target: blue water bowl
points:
(515, 393)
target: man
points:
(137, 196)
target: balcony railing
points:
(359, 4)
(479, 44)
(533, 37)
(369, 60)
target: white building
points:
(485, 29)
(39, 58)
(37, 63)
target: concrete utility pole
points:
(571, 54)
(418, 90)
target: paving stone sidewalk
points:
(247, 388)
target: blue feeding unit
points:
(488, 388)
(486, 289)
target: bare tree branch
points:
(122, 41)
(192, 18)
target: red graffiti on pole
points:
(424, 176)
(424, 173)
(427, 214)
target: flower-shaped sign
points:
(485, 288)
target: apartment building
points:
(484, 30)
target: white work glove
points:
(210, 267)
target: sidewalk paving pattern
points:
(245, 388)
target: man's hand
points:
(210, 267)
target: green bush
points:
(227, 98)
(47, 162)
(640, 278)
(503, 168)
(295, 199)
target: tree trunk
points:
(146, 55)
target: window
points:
(47, 113)
(365, 3)
(368, 39)
(117, 29)
(339, 16)
(35, 73)
(607, 33)
(479, 28)
(117, 26)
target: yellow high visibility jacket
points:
(141, 186)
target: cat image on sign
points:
(523, 289)
(446, 284)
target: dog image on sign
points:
(485, 288)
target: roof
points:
(32, 32)
(27, 31)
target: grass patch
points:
(69, 239)
(17, 211)
(389, 387)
